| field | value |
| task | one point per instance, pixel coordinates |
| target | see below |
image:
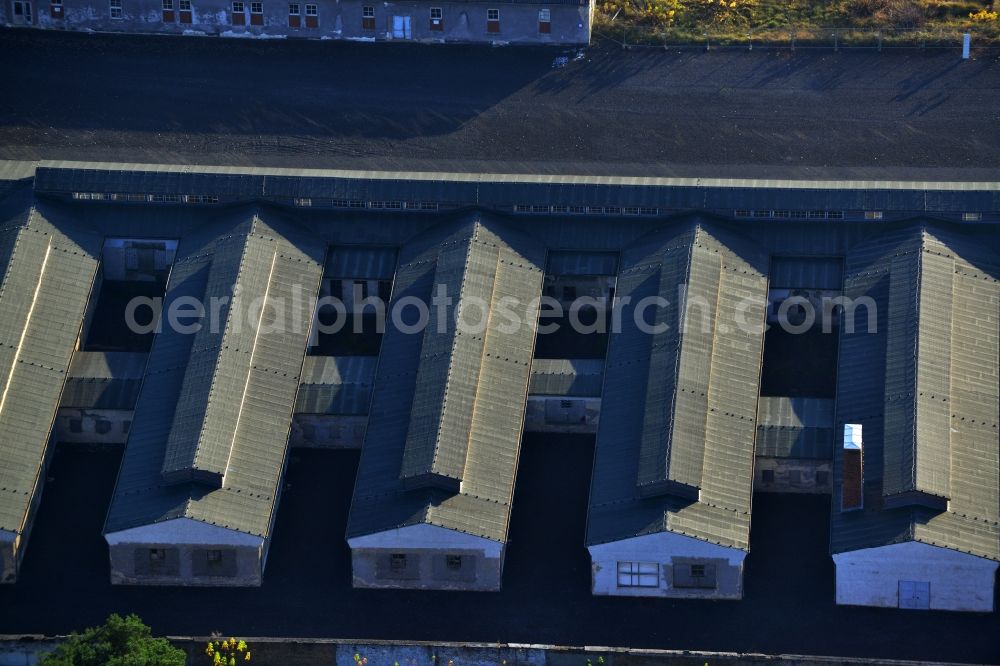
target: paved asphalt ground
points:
(788, 605)
(895, 114)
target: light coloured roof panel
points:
(48, 267)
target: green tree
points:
(121, 641)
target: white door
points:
(22, 12)
(401, 27)
(914, 594)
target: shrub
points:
(118, 642)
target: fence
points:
(794, 38)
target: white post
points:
(966, 42)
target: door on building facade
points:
(914, 594)
(401, 27)
(22, 12)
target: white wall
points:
(958, 581)
(664, 548)
(183, 531)
(426, 537)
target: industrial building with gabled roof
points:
(434, 489)
(673, 468)
(199, 485)
(922, 393)
(695, 403)
(48, 263)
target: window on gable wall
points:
(116, 9)
(544, 21)
(368, 17)
(493, 20)
(638, 574)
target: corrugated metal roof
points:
(104, 380)
(253, 378)
(807, 273)
(565, 262)
(506, 190)
(895, 381)
(581, 377)
(451, 404)
(336, 385)
(795, 427)
(361, 263)
(695, 393)
(48, 267)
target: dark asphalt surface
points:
(817, 113)
(788, 605)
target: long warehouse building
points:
(183, 314)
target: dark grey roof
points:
(795, 427)
(566, 262)
(229, 392)
(925, 389)
(680, 405)
(336, 385)
(505, 191)
(807, 273)
(104, 380)
(581, 377)
(447, 410)
(47, 267)
(370, 263)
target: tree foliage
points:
(120, 641)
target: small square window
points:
(397, 561)
(454, 562)
(368, 12)
(116, 9)
(492, 14)
(293, 10)
(312, 10)
(185, 5)
(168, 4)
(214, 556)
(436, 13)
(238, 7)
(256, 7)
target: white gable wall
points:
(186, 546)
(183, 531)
(958, 581)
(430, 537)
(426, 549)
(666, 549)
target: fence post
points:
(791, 37)
(750, 40)
(708, 44)
(879, 34)
(836, 46)
(966, 44)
